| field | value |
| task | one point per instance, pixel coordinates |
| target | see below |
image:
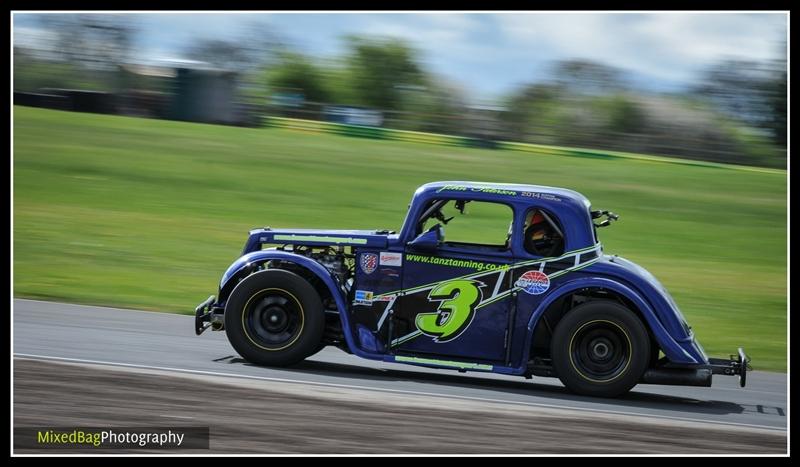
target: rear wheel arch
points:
(546, 324)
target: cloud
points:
(33, 37)
(672, 46)
(492, 52)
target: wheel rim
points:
(600, 351)
(273, 319)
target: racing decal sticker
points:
(456, 263)
(363, 297)
(533, 282)
(456, 310)
(476, 189)
(458, 299)
(391, 259)
(369, 261)
(546, 196)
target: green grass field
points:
(148, 213)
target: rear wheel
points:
(274, 317)
(600, 348)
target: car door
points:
(455, 298)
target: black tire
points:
(600, 348)
(274, 318)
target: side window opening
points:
(543, 235)
(476, 224)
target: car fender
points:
(247, 261)
(666, 342)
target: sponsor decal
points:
(456, 296)
(431, 361)
(363, 297)
(389, 275)
(546, 196)
(384, 298)
(369, 261)
(458, 299)
(533, 282)
(391, 259)
(476, 189)
(457, 263)
(320, 239)
(499, 191)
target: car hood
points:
(312, 237)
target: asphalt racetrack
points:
(102, 366)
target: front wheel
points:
(600, 348)
(274, 317)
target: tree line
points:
(735, 111)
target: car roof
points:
(500, 189)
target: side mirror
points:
(428, 241)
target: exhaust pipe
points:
(678, 376)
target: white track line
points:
(395, 391)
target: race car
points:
(538, 298)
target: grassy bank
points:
(148, 213)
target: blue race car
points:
(530, 294)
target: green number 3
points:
(458, 301)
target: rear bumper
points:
(736, 365)
(699, 375)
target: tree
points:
(588, 77)
(219, 53)
(79, 51)
(532, 112)
(750, 92)
(295, 72)
(623, 115)
(380, 69)
(737, 88)
(96, 41)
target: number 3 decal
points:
(456, 310)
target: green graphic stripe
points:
(501, 296)
(430, 361)
(575, 268)
(406, 338)
(314, 238)
(485, 272)
(496, 298)
(559, 258)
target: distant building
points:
(204, 95)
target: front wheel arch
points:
(274, 317)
